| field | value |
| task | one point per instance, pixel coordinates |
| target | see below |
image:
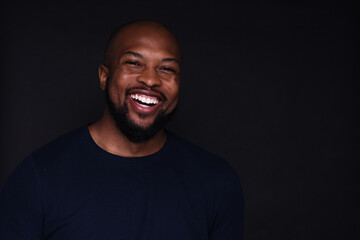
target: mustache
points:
(128, 90)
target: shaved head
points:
(143, 27)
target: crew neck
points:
(149, 159)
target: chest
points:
(126, 202)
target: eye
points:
(133, 63)
(168, 69)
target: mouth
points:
(145, 100)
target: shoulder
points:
(212, 174)
(67, 146)
(193, 157)
(185, 147)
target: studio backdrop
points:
(271, 86)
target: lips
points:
(145, 102)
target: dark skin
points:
(145, 57)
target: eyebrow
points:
(170, 60)
(138, 55)
(135, 54)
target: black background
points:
(271, 86)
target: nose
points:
(150, 78)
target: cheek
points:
(172, 89)
(173, 94)
(121, 78)
(116, 93)
(119, 82)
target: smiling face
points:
(142, 75)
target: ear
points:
(103, 76)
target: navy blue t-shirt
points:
(73, 189)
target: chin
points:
(142, 121)
(137, 127)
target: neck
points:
(108, 137)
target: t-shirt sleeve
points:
(228, 224)
(21, 208)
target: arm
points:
(228, 224)
(21, 208)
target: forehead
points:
(150, 38)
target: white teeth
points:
(144, 99)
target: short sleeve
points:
(228, 224)
(21, 211)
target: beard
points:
(129, 128)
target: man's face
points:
(142, 81)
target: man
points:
(125, 177)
